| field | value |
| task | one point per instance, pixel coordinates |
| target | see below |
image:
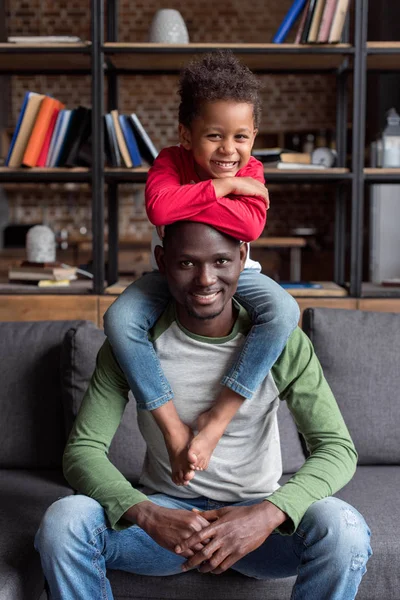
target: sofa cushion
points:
(80, 348)
(194, 585)
(25, 495)
(374, 492)
(31, 423)
(359, 353)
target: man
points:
(195, 339)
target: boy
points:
(208, 177)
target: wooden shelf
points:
(380, 175)
(383, 56)
(328, 289)
(139, 175)
(43, 175)
(45, 58)
(259, 57)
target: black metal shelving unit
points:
(106, 61)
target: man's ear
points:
(185, 137)
(243, 255)
(159, 255)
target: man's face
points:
(202, 267)
(221, 138)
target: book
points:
(43, 39)
(296, 157)
(41, 271)
(326, 21)
(271, 156)
(41, 161)
(302, 22)
(83, 129)
(54, 137)
(298, 165)
(298, 285)
(123, 148)
(59, 133)
(130, 141)
(39, 130)
(25, 129)
(146, 147)
(110, 142)
(267, 154)
(288, 21)
(308, 20)
(17, 127)
(316, 21)
(75, 125)
(338, 21)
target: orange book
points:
(41, 161)
(39, 130)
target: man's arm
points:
(240, 216)
(333, 457)
(86, 465)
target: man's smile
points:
(205, 298)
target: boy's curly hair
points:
(217, 76)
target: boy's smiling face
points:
(221, 138)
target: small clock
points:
(325, 157)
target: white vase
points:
(168, 27)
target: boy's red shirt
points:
(174, 193)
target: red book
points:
(41, 161)
(39, 130)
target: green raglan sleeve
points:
(332, 460)
(86, 464)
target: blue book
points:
(289, 21)
(130, 141)
(18, 125)
(53, 140)
(61, 134)
(300, 285)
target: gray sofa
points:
(45, 370)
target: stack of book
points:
(285, 159)
(321, 21)
(49, 135)
(42, 274)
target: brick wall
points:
(290, 103)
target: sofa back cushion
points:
(80, 349)
(31, 416)
(360, 354)
(127, 450)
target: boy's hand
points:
(247, 186)
(241, 186)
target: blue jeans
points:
(328, 552)
(273, 311)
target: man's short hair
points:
(171, 230)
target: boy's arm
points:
(85, 462)
(167, 201)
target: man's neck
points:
(218, 327)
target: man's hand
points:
(234, 532)
(241, 186)
(168, 527)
